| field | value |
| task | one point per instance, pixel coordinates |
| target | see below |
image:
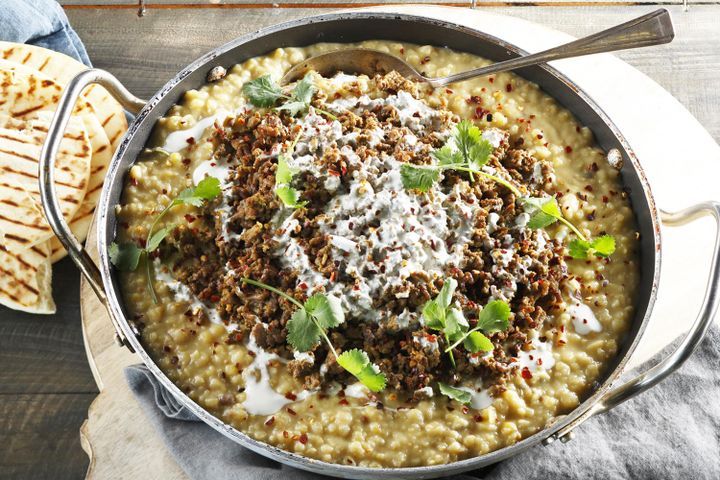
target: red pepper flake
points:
(539, 136)
(526, 374)
(186, 161)
(133, 181)
(465, 410)
(333, 275)
(291, 396)
(480, 113)
(343, 169)
(291, 411)
(269, 421)
(344, 402)
(474, 99)
(478, 418)
(430, 337)
(448, 91)
(425, 60)
(285, 434)
(508, 88)
(190, 140)
(303, 286)
(605, 199)
(491, 79)
(568, 149)
(214, 298)
(334, 173)
(402, 49)
(303, 438)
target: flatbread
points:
(26, 279)
(100, 160)
(20, 146)
(102, 148)
(62, 69)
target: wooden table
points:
(45, 383)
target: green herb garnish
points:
(283, 178)
(263, 92)
(491, 319)
(462, 396)
(602, 246)
(126, 256)
(440, 315)
(466, 151)
(358, 364)
(309, 324)
(546, 211)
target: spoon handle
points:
(655, 28)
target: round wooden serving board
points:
(122, 444)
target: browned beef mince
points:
(251, 141)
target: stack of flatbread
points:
(31, 83)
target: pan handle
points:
(690, 342)
(50, 148)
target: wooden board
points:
(115, 418)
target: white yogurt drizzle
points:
(582, 316)
(479, 398)
(260, 397)
(540, 358)
(178, 140)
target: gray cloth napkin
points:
(671, 431)
(42, 23)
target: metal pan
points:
(351, 27)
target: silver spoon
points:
(652, 29)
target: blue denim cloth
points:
(42, 23)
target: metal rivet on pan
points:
(217, 73)
(615, 159)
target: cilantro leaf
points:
(604, 245)
(579, 248)
(543, 211)
(455, 324)
(444, 298)
(300, 97)
(325, 309)
(416, 177)
(479, 154)
(207, 189)
(474, 150)
(262, 92)
(446, 155)
(289, 196)
(283, 173)
(466, 151)
(303, 333)
(477, 342)
(494, 317)
(456, 394)
(157, 237)
(294, 107)
(357, 363)
(125, 256)
(304, 90)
